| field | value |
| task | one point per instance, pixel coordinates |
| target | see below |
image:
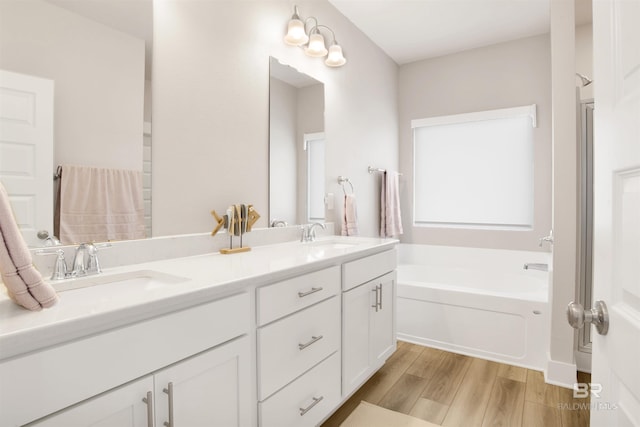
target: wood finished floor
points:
(453, 390)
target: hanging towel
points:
(98, 205)
(350, 216)
(390, 218)
(24, 283)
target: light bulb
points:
(316, 47)
(335, 58)
(295, 33)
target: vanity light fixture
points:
(313, 40)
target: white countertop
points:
(202, 278)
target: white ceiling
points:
(407, 30)
(412, 30)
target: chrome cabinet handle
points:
(313, 339)
(376, 304)
(312, 291)
(169, 391)
(380, 303)
(316, 400)
(149, 401)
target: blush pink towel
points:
(390, 218)
(99, 205)
(24, 283)
(350, 216)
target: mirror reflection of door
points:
(26, 150)
(314, 146)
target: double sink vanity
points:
(278, 336)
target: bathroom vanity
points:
(278, 336)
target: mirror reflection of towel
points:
(98, 205)
(350, 217)
(390, 217)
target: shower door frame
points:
(587, 109)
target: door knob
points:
(599, 316)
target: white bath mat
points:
(369, 415)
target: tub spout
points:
(536, 266)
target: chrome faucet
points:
(309, 231)
(536, 266)
(85, 262)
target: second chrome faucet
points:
(309, 231)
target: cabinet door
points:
(121, 407)
(211, 389)
(383, 336)
(369, 329)
(357, 304)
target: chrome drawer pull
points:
(149, 401)
(316, 400)
(169, 391)
(312, 291)
(313, 339)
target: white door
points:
(616, 356)
(26, 150)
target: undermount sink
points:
(140, 279)
(332, 244)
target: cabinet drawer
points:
(291, 346)
(355, 273)
(282, 298)
(295, 405)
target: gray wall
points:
(505, 75)
(211, 99)
(98, 78)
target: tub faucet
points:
(309, 231)
(536, 266)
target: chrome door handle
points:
(169, 391)
(577, 316)
(316, 400)
(380, 303)
(312, 291)
(149, 401)
(307, 344)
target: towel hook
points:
(342, 180)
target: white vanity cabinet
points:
(203, 350)
(298, 343)
(207, 389)
(121, 407)
(368, 305)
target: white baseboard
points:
(561, 374)
(583, 361)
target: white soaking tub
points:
(479, 302)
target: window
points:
(314, 144)
(475, 170)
